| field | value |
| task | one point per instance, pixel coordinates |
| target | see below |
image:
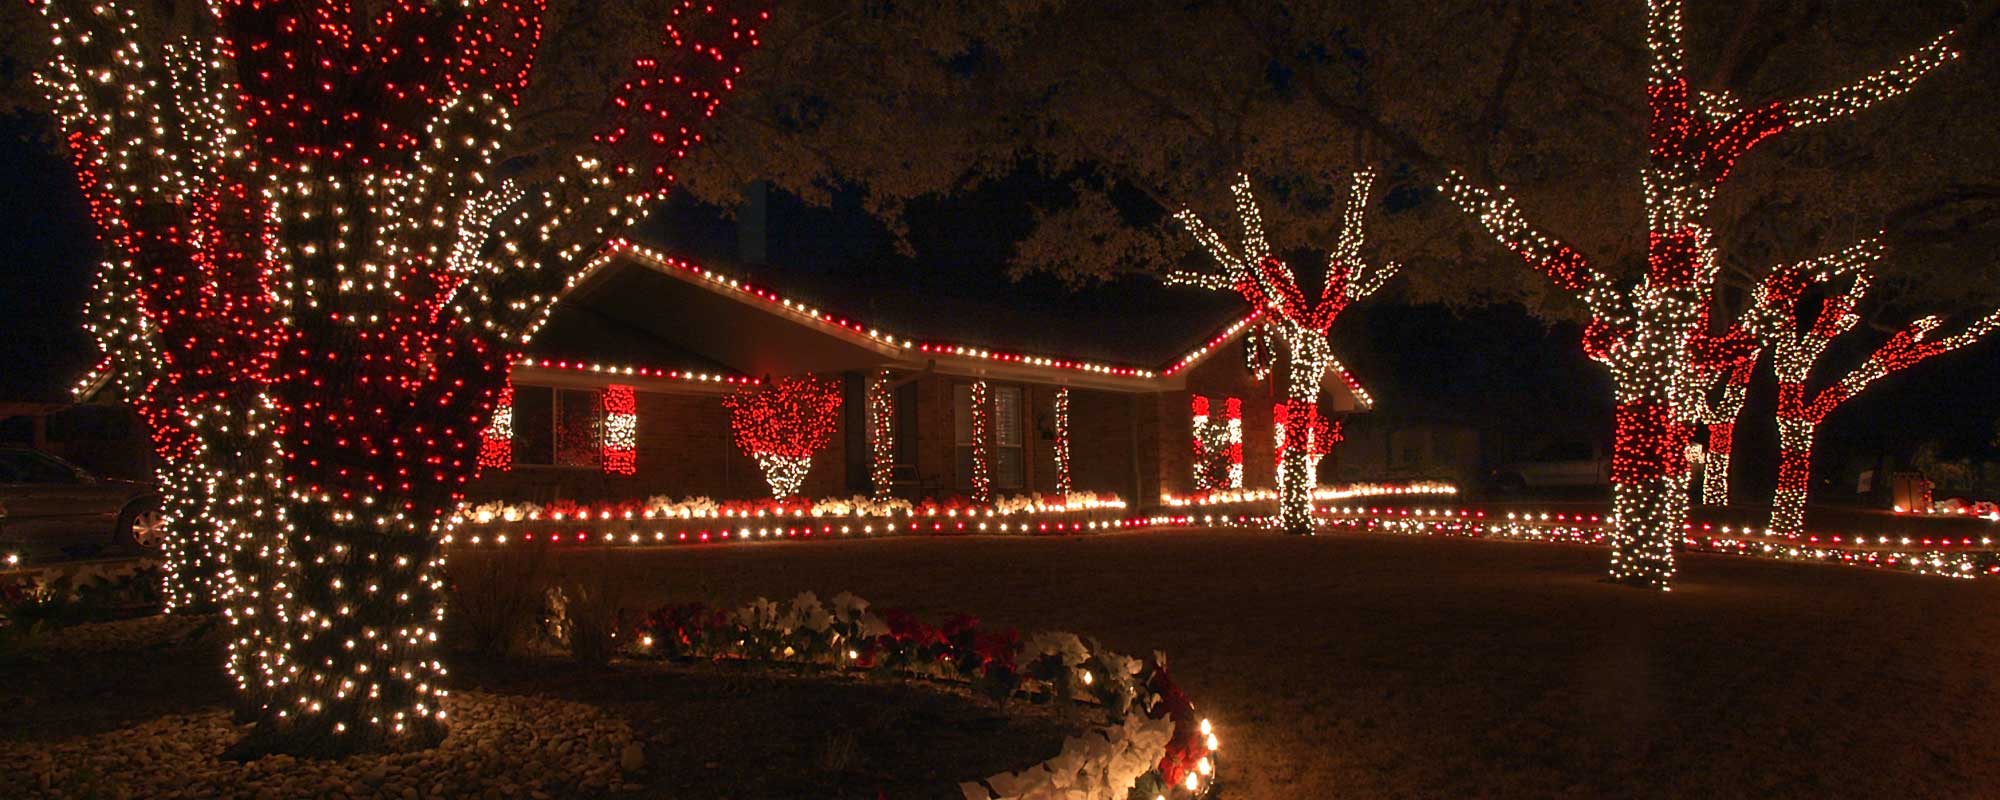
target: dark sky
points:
(1494, 368)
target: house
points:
(621, 393)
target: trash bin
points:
(1910, 492)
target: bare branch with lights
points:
(1268, 284)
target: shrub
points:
(493, 597)
(583, 615)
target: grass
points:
(1345, 666)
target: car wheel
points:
(142, 527)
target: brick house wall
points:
(684, 448)
(1223, 375)
(1136, 445)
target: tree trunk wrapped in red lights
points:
(1654, 333)
(330, 279)
(1268, 283)
(1798, 346)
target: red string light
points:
(782, 425)
(621, 430)
(318, 278)
(1653, 334)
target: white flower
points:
(760, 613)
(808, 613)
(849, 607)
(1058, 643)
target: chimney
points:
(752, 216)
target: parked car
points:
(1574, 465)
(50, 507)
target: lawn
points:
(1375, 666)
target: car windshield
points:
(1570, 451)
(28, 466)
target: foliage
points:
(791, 417)
(583, 615)
(493, 598)
(999, 663)
(1143, 108)
(35, 605)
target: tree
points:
(1654, 333)
(1267, 283)
(1799, 346)
(782, 424)
(310, 207)
(1723, 395)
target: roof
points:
(645, 302)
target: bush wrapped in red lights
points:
(1152, 743)
(782, 425)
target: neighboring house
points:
(681, 337)
(1389, 448)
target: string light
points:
(632, 371)
(882, 435)
(326, 282)
(621, 430)
(1798, 347)
(1218, 445)
(782, 425)
(1653, 334)
(496, 443)
(1061, 448)
(982, 451)
(1269, 286)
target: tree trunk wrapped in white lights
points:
(1268, 284)
(1653, 333)
(1719, 416)
(328, 280)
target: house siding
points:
(1136, 445)
(684, 448)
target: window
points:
(22, 466)
(558, 427)
(1005, 431)
(904, 431)
(1009, 467)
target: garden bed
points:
(137, 708)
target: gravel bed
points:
(499, 747)
(124, 634)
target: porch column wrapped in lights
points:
(881, 435)
(1268, 283)
(1654, 334)
(982, 451)
(1062, 441)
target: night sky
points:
(1494, 368)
